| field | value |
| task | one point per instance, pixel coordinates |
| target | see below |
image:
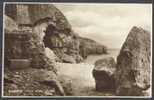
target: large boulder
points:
(133, 64)
(103, 73)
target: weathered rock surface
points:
(31, 82)
(25, 54)
(24, 43)
(27, 43)
(51, 55)
(62, 42)
(88, 46)
(133, 64)
(48, 78)
(33, 14)
(10, 24)
(63, 39)
(103, 73)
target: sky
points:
(108, 24)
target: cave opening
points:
(49, 32)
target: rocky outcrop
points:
(133, 64)
(48, 78)
(31, 82)
(26, 45)
(25, 54)
(40, 18)
(37, 27)
(33, 14)
(64, 43)
(103, 73)
(88, 46)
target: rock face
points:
(25, 46)
(49, 78)
(64, 43)
(62, 40)
(37, 27)
(34, 14)
(133, 64)
(103, 73)
(88, 46)
(31, 82)
(25, 54)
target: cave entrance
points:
(48, 33)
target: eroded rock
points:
(103, 73)
(63, 43)
(48, 78)
(133, 64)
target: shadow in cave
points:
(49, 32)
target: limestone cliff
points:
(36, 14)
(34, 29)
(88, 46)
(25, 55)
(25, 58)
(38, 18)
(68, 46)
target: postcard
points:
(94, 50)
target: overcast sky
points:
(108, 24)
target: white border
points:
(4, 3)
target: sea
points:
(111, 53)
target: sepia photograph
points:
(77, 50)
